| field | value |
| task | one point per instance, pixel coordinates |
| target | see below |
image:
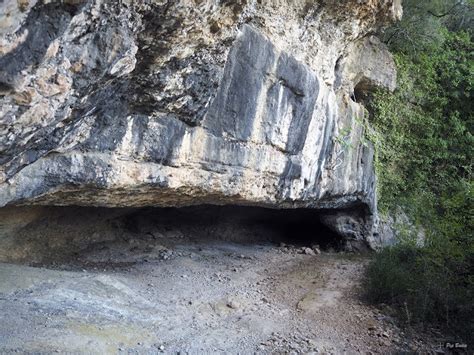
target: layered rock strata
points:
(175, 103)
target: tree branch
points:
(432, 13)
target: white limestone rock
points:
(173, 103)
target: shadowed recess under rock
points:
(133, 104)
(48, 235)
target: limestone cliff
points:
(173, 103)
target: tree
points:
(423, 133)
(423, 22)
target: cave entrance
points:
(48, 235)
(239, 223)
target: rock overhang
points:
(242, 120)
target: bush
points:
(423, 131)
(425, 286)
(424, 154)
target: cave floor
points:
(152, 295)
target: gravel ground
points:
(161, 294)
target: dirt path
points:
(148, 296)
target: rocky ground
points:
(175, 295)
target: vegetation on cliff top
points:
(424, 140)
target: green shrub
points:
(424, 154)
(423, 131)
(425, 286)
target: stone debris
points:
(277, 303)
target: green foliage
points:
(424, 155)
(343, 138)
(423, 22)
(425, 285)
(423, 131)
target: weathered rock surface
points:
(173, 103)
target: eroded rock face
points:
(173, 103)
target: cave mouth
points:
(248, 224)
(363, 91)
(44, 235)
